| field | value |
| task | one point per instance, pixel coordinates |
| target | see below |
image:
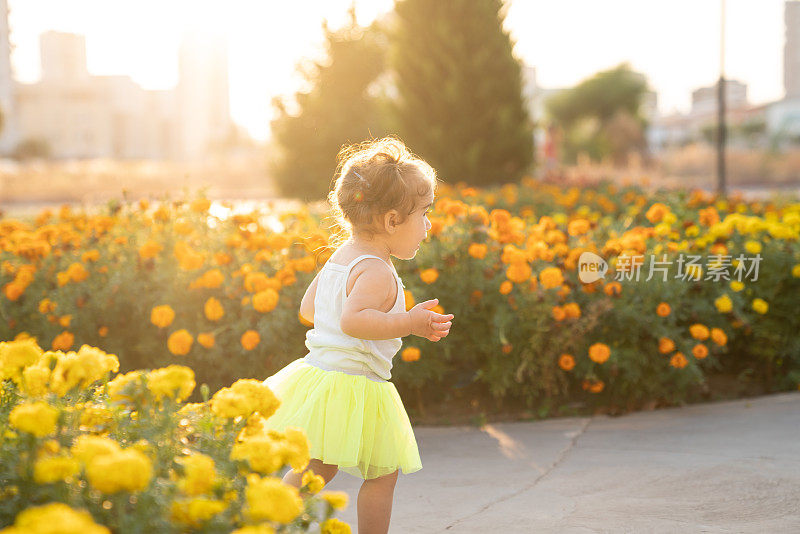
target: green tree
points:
(602, 115)
(459, 102)
(339, 108)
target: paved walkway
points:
(730, 466)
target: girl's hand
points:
(429, 324)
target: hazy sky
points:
(676, 43)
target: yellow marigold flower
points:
(123, 386)
(199, 474)
(200, 205)
(599, 352)
(718, 336)
(297, 448)
(194, 512)
(180, 342)
(250, 340)
(270, 499)
(678, 360)
(572, 310)
(86, 447)
(665, 345)
(162, 316)
(211, 279)
(55, 517)
(566, 362)
(265, 301)
(257, 281)
(96, 415)
(337, 499)
(477, 250)
(736, 285)
(90, 255)
(699, 331)
(796, 271)
(244, 397)
(334, 526)
(410, 354)
(506, 287)
(127, 470)
(753, 247)
(150, 250)
(724, 304)
(55, 469)
(35, 379)
(80, 369)
(262, 453)
(37, 418)
(700, 351)
(429, 276)
(314, 482)
(206, 339)
(63, 341)
(518, 272)
(16, 355)
(760, 306)
(173, 381)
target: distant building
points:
(791, 49)
(8, 135)
(79, 115)
(704, 99)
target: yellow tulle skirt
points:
(351, 421)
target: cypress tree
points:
(338, 109)
(459, 90)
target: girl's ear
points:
(390, 220)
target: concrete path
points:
(730, 466)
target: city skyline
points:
(111, 27)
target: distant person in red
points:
(551, 149)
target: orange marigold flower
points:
(63, 341)
(699, 331)
(718, 336)
(518, 272)
(612, 288)
(265, 301)
(13, 291)
(678, 360)
(206, 339)
(90, 255)
(429, 276)
(477, 250)
(213, 309)
(102, 331)
(162, 316)
(506, 287)
(250, 339)
(566, 362)
(410, 354)
(507, 348)
(558, 313)
(150, 249)
(77, 272)
(663, 309)
(551, 277)
(572, 310)
(409, 299)
(180, 342)
(599, 352)
(665, 345)
(656, 212)
(578, 227)
(700, 351)
(256, 281)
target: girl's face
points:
(413, 231)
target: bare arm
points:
(361, 316)
(307, 304)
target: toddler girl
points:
(340, 393)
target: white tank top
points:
(333, 350)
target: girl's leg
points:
(375, 504)
(326, 471)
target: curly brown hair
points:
(372, 178)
